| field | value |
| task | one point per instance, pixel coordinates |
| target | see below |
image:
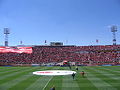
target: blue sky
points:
(73, 22)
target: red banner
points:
(16, 49)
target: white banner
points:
(54, 72)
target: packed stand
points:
(95, 55)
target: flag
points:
(66, 41)
(97, 41)
(45, 41)
(21, 42)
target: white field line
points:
(47, 83)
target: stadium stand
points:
(81, 55)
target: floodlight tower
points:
(113, 30)
(6, 32)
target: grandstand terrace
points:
(81, 55)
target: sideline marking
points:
(47, 83)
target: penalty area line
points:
(47, 83)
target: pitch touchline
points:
(47, 83)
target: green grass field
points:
(96, 78)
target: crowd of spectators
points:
(96, 55)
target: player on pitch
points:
(82, 74)
(73, 75)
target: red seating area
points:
(95, 55)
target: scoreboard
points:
(56, 43)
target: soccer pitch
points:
(96, 78)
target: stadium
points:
(59, 45)
(100, 63)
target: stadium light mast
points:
(113, 30)
(6, 32)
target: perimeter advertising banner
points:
(16, 49)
